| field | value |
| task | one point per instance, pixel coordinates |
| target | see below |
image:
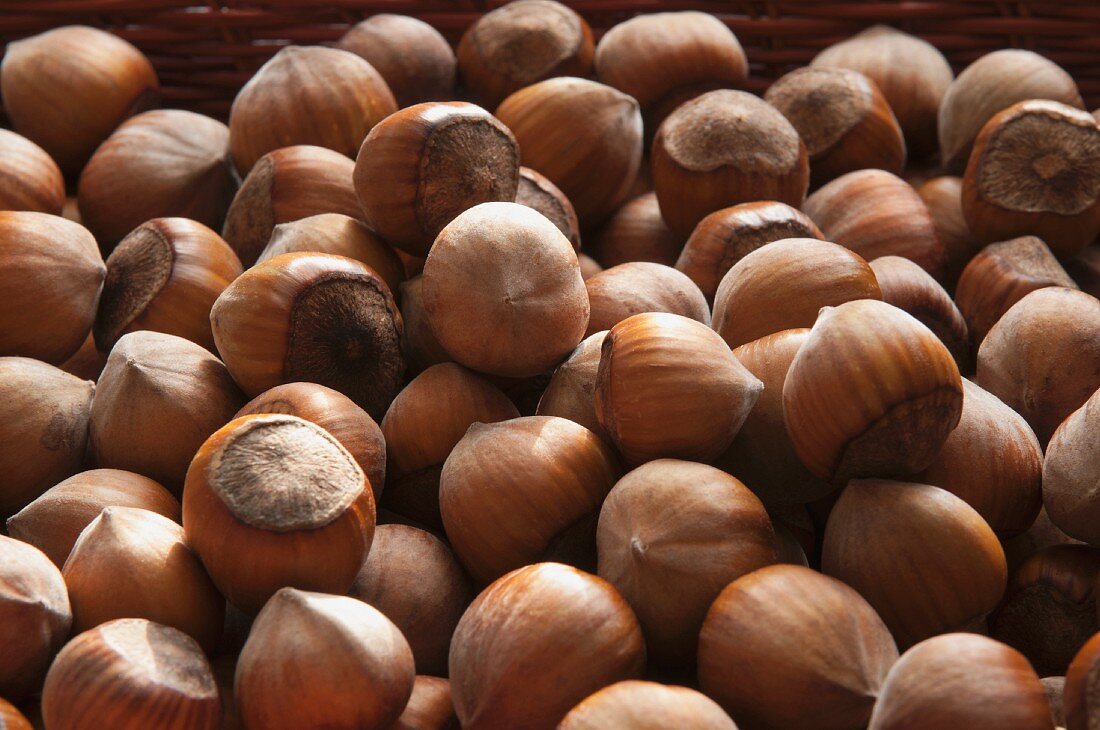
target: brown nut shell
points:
(416, 61)
(646, 706)
(909, 287)
(430, 706)
(29, 178)
(422, 348)
(943, 196)
(637, 232)
(571, 392)
(536, 191)
(1071, 482)
(628, 289)
(1079, 696)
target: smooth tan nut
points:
(160, 164)
(992, 461)
(572, 630)
(646, 706)
(992, 83)
(51, 277)
(301, 84)
(961, 681)
(429, 707)
(29, 178)
(876, 213)
(286, 185)
(421, 167)
(912, 74)
(37, 617)
(304, 644)
(909, 287)
(784, 284)
(584, 136)
(48, 411)
(158, 399)
(422, 426)
(312, 317)
(503, 291)
(164, 276)
(272, 501)
(54, 521)
(571, 392)
(723, 148)
(1035, 171)
(671, 535)
(1070, 478)
(67, 89)
(943, 197)
(668, 386)
(413, 57)
(519, 491)
(726, 236)
(522, 43)
(130, 674)
(786, 629)
(414, 579)
(922, 557)
(871, 391)
(536, 191)
(1002, 274)
(843, 119)
(637, 232)
(628, 289)
(1042, 358)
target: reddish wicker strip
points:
(204, 52)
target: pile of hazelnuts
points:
(324, 418)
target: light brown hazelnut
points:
(414, 59)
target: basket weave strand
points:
(204, 52)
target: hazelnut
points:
(53, 522)
(274, 500)
(571, 392)
(1070, 485)
(762, 454)
(571, 632)
(668, 386)
(86, 363)
(344, 643)
(11, 718)
(413, 578)
(726, 236)
(1049, 607)
(723, 148)
(47, 412)
(911, 73)
(990, 84)
(783, 284)
(962, 681)
(503, 291)
(909, 287)
(784, 632)
(637, 232)
(421, 167)
(132, 563)
(429, 707)
(536, 191)
(51, 277)
(584, 136)
(37, 617)
(871, 391)
(164, 276)
(416, 62)
(1080, 701)
(286, 185)
(422, 348)
(68, 88)
(158, 399)
(627, 289)
(671, 535)
(1042, 533)
(312, 317)
(336, 413)
(922, 557)
(29, 178)
(665, 59)
(943, 197)
(1034, 170)
(421, 428)
(992, 461)
(1002, 274)
(1042, 358)
(646, 706)
(320, 96)
(156, 165)
(589, 266)
(541, 476)
(876, 213)
(131, 674)
(520, 44)
(843, 119)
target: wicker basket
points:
(205, 52)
